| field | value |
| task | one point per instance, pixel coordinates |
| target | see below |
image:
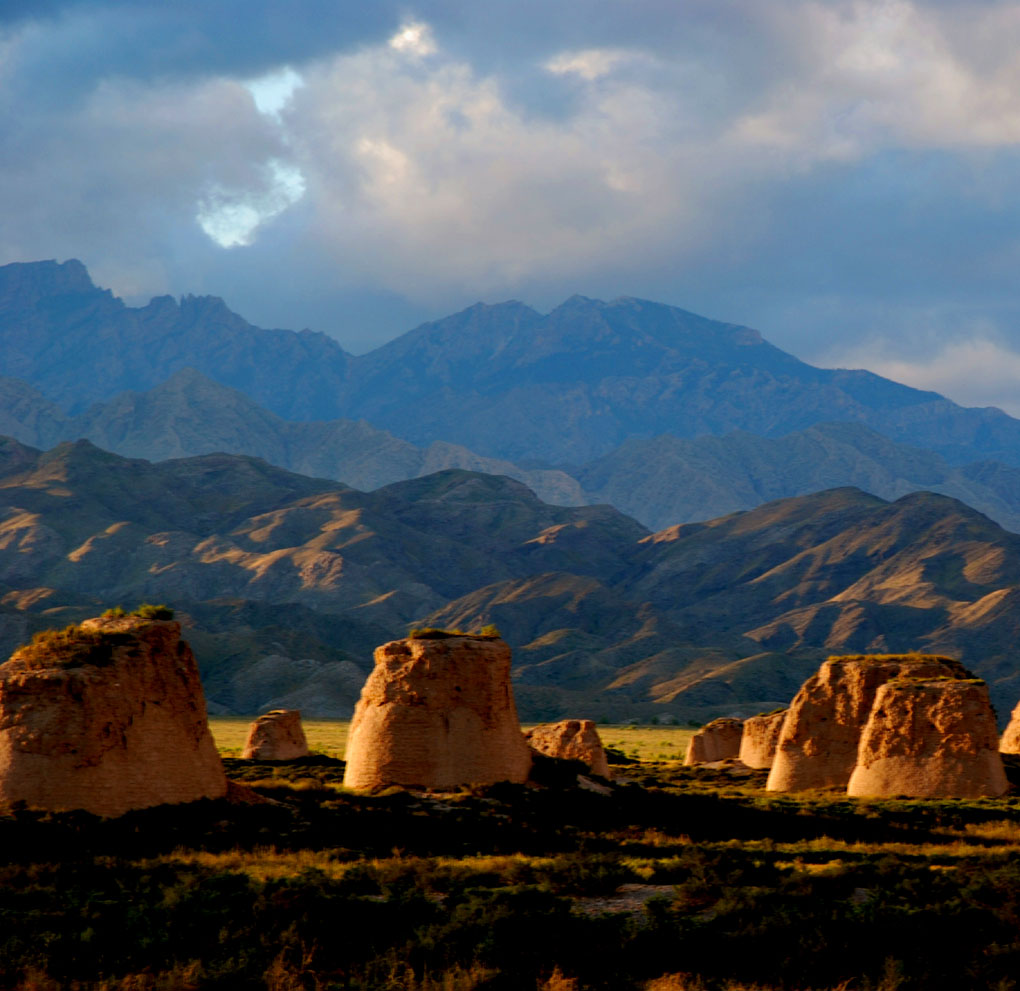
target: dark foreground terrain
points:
(679, 879)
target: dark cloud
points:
(832, 173)
(78, 44)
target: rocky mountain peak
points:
(36, 280)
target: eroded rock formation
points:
(106, 717)
(277, 735)
(818, 743)
(1010, 742)
(930, 738)
(572, 739)
(716, 740)
(760, 737)
(437, 713)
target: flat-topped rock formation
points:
(930, 738)
(277, 735)
(437, 713)
(1010, 742)
(106, 717)
(716, 740)
(818, 743)
(760, 737)
(572, 739)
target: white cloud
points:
(979, 371)
(590, 64)
(891, 73)
(414, 38)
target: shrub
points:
(148, 611)
(117, 612)
(489, 632)
(71, 647)
(433, 633)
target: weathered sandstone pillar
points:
(716, 740)
(107, 717)
(760, 737)
(818, 743)
(1010, 743)
(277, 735)
(930, 738)
(572, 739)
(437, 713)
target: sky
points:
(842, 176)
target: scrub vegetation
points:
(681, 878)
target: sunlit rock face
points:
(437, 713)
(717, 740)
(818, 743)
(1010, 742)
(760, 738)
(571, 739)
(108, 719)
(278, 735)
(933, 738)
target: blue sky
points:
(843, 176)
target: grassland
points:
(329, 737)
(680, 879)
(325, 736)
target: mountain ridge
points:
(491, 378)
(286, 583)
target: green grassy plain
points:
(329, 737)
(325, 736)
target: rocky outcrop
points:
(1010, 742)
(572, 739)
(437, 713)
(760, 737)
(930, 738)
(106, 717)
(276, 736)
(818, 744)
(716, 740)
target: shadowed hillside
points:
(286, 583)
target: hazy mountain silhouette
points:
(504, 381)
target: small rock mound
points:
(437, 713)
(818, 742)
(716, 740)
(571, 739)
(930, 738)
(276, 736)
(1010, 743)
(106, 717)
(760, 738)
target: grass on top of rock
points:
(910, 657)
(489, 632)
(145, 611)
(71, 647)
(75, 647)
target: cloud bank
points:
(840, 175)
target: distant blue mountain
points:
(503, 380)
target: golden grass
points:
(325, 736)
(329, 736)
(647, 742)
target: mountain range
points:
(558, 389)
(286, 583)
(666, 515)
(197, 379)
